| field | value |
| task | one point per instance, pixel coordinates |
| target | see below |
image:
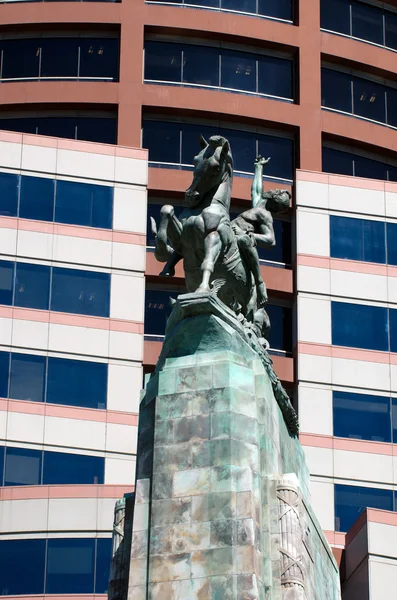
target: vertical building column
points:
(131, 72)
(310, 84)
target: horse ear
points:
(225, 148)
(202, 141)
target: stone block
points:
(194, 378)
(223, 533)
(175, 457)
(192, 429)
(217, 561)
(169, 567)
(214, 506)
(175, 590)
(191, 482)
(190, 536)
(170, 512)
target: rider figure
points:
(254, 227)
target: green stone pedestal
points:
(222, 507)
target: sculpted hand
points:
(262, 161)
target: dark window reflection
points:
(64, 127)
(393, 329)
(335, 15)
(359, 326)
(238, 71)
(22, 467)
(369, 100)
(84, 204)
(391, 30)
(21, 59)
(362, 417)
(337, 161)
(367, 22)
(367, 167)
(59, 57)
(391, 243)
(62, 468)
(392, 107)
(70, 566)
(27, 377)
(6, 282)
(80, 292)
(248, 6)
(163, 61)
(99, 58)
(157, 310)
(279, 9)
(37, 198)
(103, 559)
(275, 77)
(103, 130)
(77, 383)
(394, 419)
(162, 140)
(281, 151)
(190, 140)
(201, 65)
(351, 501)
(391, 173)
(9, 187)
(243, 145)
(4, 376)
(358, 239)
(32, 286)
(13, 554)
(336, 90)
(280, 336)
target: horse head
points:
(212, 166)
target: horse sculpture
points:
(203, 234)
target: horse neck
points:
(223, 193)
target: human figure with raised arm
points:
(254, 227)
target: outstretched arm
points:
(257, 185)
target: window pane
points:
(335, 15)
(281, 253)
(367, 22)
(391, 96)
(162, 141)
(359, 326)
(97, 129)
(163, 61)
(157, 310)
(4, 374)
(201, 65)
(281, 151)
(37, 198)
(336, 90)
(366, 167)
(391, 29)
(279, 9)
(393, 330)
(70, 566)
(32, 286)
(30, 554)
(238, 71)
(391, 243)
(59, 57)
(6, 282)
(2, 456)
(337, 161)
(9, 194)
(84, 204)
(99, 58)
(391, 173)
(248, 6)
(190, 140)
(21, 59)
(62, 468)
(280, 336)
(394, 419)
(27, 378)
(23, 125)
(275, 77)
(358, 239)
(22, 467)
(362, 417)
(80, 292)
(243, 145)
(103, 558)
(351, 501)
(77, 383)
(369, 99)
(64, 127)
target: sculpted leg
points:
(212, 247)
(249, 251)
(163, 251)
(169, 269)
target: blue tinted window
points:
(103, 558)
(201, 65)
(275, 76)
(21, 59)
(362, 417)
(391, 30)
(369, 99)
(359, 326)
(367, 22)
(59, 57)
(157, 310)
(2, 458)
(99, 58)
(238, 71)
(70, 566)
(77, 383)
(366, 167)
(153, 210)
(337, 161)
(336, 90)
(394, 420)
(37, 198)
(282, 252)
(27, 377)
(391, 243)
(351, 501)
(393, 330)
(14, 554)
(22, 466)
(281, 151)
(243, 145)
(64, 468)
(335, 15)
(32, 285)
(392, 106)
(6, 282)
(190, 140)
(248, 6)
(358, 239)
(280, 336)
(84, 204)
(279, 9)
(163, 61)
(80, 292)
(9, 184)
(163, 141)
(4, 373)
(92, 129)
